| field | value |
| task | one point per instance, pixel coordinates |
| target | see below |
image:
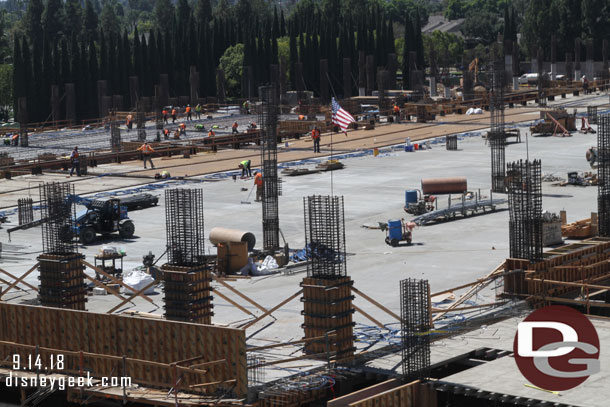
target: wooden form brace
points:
(148, 345)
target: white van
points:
(528, 78)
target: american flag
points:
(341, 117)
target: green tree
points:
(481, 25)
(455, 9)
(73, 17)
(6, 91)
(90, 21)
(231, 62)
(203, 12)
(109, 20)
(164, 14)
(53, 18)
(33, 21)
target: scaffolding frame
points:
(267, 118)
(525, 208)
(603, 174)
(325, 236)
(415, 322)
(497, 135)
(184, 227)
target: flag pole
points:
(332, 130)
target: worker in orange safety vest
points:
(147, 151)
(258, 182)
(188, 113)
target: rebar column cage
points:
(115, 132)
(57, 211)
(184, 227)
(603, 174)
(141, 120)
(525, 209)
(267, 117)
(25, 210)
(592, 114)
(415, 323)
(325, 236)
(497, 136)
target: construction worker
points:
(129, 122)
(585, 84)
(252, 126)
(212, 134)
(182, 127)
(174, 113)
(258, 182)
(164, 113)
(147, 151)
(315, 136)
(75, 162)
(246, 106)
(245, 168)
(301, 117)
(177, 134)
(234, 127)
(15, 139)
(188, 113)
(165, 134)
(198, 110)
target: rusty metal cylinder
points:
(455, 185)
(224, 235)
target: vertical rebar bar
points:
(497, 136)
(325, 236)
(184, 227)
(25, 210)
(268, 120)
(603, 174)
(525, 208)
(58, 212)
(415, 324)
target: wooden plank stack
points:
(62, 281)
(188, 293)
(580, 229)
(328, 310)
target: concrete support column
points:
(447, 92)
(508, 65)
(361, 74)
(432, 80)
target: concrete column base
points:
(553, 72)
(577, 75)
(515, 83)
(432, 86)
(447, 92)
(361, 92)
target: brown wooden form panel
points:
(104, 337)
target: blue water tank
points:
(410, 196)
(395, 229)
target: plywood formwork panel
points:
(104, 339)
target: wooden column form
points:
(328, 310)
(188, 293)
(62, 281)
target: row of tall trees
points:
(67, 43)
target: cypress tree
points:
(37, 81)
(66, 74)
(94, 73)
(419, 42)
(294, 57)
(282, 24)
(390, 38)
(104, 62)
(56, 64)
(113, 74)
(137, 54)
(46, 80)
(276, 24)
(27, 88)
(19, 83)
(407, 47)
(127, 53)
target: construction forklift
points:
(104, 218)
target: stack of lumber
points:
(580, 229)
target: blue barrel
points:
(409, 149)
(395, 229)
(410, 196)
